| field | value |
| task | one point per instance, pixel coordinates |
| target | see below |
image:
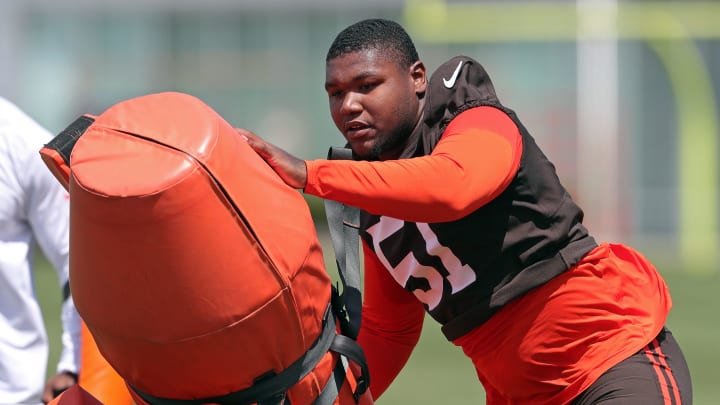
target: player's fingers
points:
(47, 395)
(246, 134)
(255, 142)
(55, 386)
(291, 169)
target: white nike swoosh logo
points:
(450, 83)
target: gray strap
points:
(343, 223)
(349, 350)
(332, 389)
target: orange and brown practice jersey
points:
(473, 226)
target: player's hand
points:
(291, 169)
(57, 384)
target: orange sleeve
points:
(476, 158)
(392, 320)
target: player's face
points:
(374, 102)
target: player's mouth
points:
(356, 130)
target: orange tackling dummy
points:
(197, 271)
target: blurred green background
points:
(622, 95)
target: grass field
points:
(438, 373)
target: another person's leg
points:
(657, 374)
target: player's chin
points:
(363, 150)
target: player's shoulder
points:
(455, 71)
(457, 84)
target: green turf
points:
(438, 373)
(47, 288)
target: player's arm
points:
(392, 321)
(48, 212)
(476, 158)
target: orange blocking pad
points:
(98, 377)
(196, 269)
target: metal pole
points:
(597, 116)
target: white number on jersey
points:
(459, 275)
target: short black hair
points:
(387, 36)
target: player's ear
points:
(419, 77)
